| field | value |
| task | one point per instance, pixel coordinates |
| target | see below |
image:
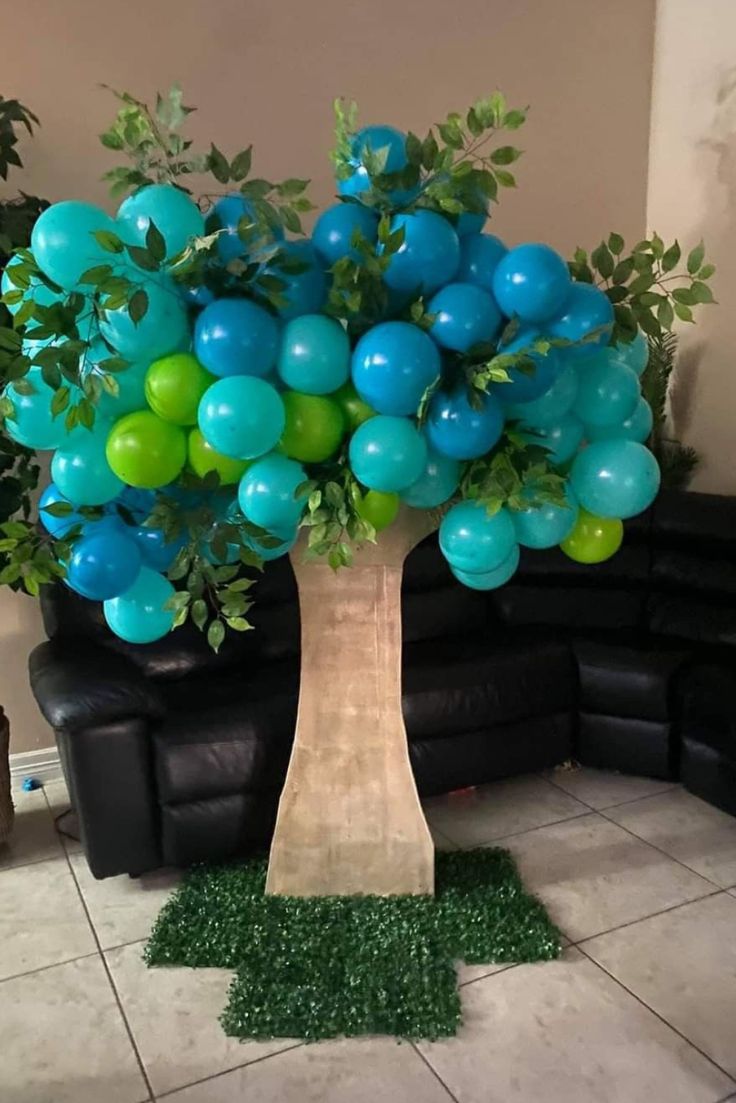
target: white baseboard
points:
(44, 765)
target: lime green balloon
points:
(174, 386)
(593, 539)
(145, 451)
(314, 428)
(379, 508)
(203, 459)
(354, 409)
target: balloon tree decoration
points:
(217, 390)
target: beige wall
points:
(692, 194)
(267, 73)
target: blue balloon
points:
(466, 316)
(480, 255)
(470, 222)
(490, 580)
(155, 550)
(531, 282)
(429, 255)
(561, 438)
(635, 355)
(615, 478)
(196, 296)
(305, 291)
(550, 406)
(63, 241)
(241, 416)
(226, 215)
(164, 328)
(392, 366)
(138, 615)
(174, 214)
(546, 525)
(32, 423)
(522, 386)
(236, 337)
(587, 309)
(607, 392)
(387, 453)
(456, 429)
(377, 139)
(58, 527)
(314, 357)
(266, 493)
(636, 427)
(436, 484)
(81, 471)
(139, 502)
(474, 540)
(333, 231)
(103, 564)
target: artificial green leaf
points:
(218, 166)
(505, 179)
(138, 305)
(695, 259)
(505, 155)
(671, 258)
(240, 165)
(215, 635)
(155, 243)
(615, 244)
(683, 312)
(108, 241)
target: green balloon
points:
(314, 427)
(203, 459)
(593, 539)
(174, 386)
(145, 451)
(379, 508)
(354, 409)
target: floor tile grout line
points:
(433, 1070)
(657, 1015)
(44, 968)
(618, 803)
(513, 834)
(652, 915)
(33, 861)
(225, 1072)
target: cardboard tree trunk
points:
(349, 820)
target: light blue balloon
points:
(546, 525)
(58, 527)
(333, 231)
(306, 291)
(241, 416)
(587, 309)
(164, 328)
(226, 215)
(236, 337)
(474, 540)
(131, 385)
(561, 438)
(314, 356)
(37, 291)
(288, 537)
(63, 242)
(607, 392)
(103, 564)
(456, 429)
(615, 478)
(436, 484)
(466, 315)
(635, 355)
(81, 471)
(392, 366)
(387, 453)
(266, 493)
(490, 580)
(175, 215)
(637, 427)
(429, 255)
(522, 386)
(480, 255)
(531, 282)
(32, 423)
(138, 615)
(550, 406)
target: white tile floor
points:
(641, 1008)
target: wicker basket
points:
(6, 801)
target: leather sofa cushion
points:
(620, 679)
(703, 620)
(569, 606)
(633, 746)
(707, 696)
(218, 828)
(680, 571)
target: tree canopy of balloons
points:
(207, 385)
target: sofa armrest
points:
(79, 685)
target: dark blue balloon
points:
(587, 309)
(392, 366)
(480, 255)
(377, 139)
(429, 255)
(236, 337)
(197, 296)
(103, 564)
(455, 429)
(466, 315)
(305, 291)
(226, 215)
(523, 386)
(333, 231)
(531, 282)
(470, 222)
(156, 551)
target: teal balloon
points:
(305, 292)
(561, 438)
(175, 215)
(37, 292)
(586, 310)
(241, 416)
(480, 255)
(32, 423)
(546, 525)
(635, 355)
(490, 580)
(138, 615)
(387, 453)
(314, 357)
(288, 540)
(637, 427)
(81, 471)
(63, 241)
(550, 406)
(266, 493)
(437, 483)
(474, 540)
(429, 255)
(607, 392)
(164, 328)
(615, 478)
(131, 385)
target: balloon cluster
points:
(262, 395)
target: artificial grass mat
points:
(320, 967)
